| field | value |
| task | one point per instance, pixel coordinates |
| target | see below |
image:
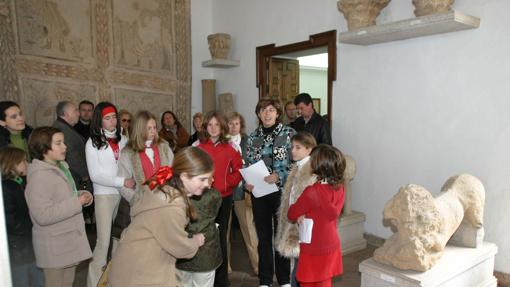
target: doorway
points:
(308, 66)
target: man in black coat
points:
(310, 121)
(86, 109)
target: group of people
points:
(163, 199)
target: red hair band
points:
(107, 110)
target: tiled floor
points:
(242, 274)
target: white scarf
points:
(149, 151)
(109, 134)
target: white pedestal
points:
(351, 229)
(458, 267)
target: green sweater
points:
(208, 256)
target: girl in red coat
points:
(227, 162)
(321, 259)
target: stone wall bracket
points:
(221, 63)
(410, 28)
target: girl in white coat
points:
(102, 152)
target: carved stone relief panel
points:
(134, 101)
(58, 29)
(136, 53)
(143, 34)
(41, 97)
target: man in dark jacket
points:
(67, 117)
(86, 109)
(310, 121)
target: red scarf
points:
(150, 169)
(115, 147)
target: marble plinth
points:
(458, 267)
(351, 229)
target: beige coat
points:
(130, 166)
(287, 234)
(58, 231)
(150, 245)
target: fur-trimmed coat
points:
(287, 234)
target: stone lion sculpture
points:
(424, 224)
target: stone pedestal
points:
(459, 266)
(208, 95)
(351, 229)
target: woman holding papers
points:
(319, 206)
(227, 162)
(271, 144)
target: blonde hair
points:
(138, 135)
(10, 157)
(235, 115)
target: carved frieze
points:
(40, 98)
(133, 100)
(96, 47)
(55, 29)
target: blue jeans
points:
(293, 280)
(24, 273)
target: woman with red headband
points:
(102, 152)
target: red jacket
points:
(227, 162)
(323, 204)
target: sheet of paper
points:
(254, 175)
(305, 230)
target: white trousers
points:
(196, 279)
(105, 210)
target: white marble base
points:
(351, 229)
(467, 236)
(459, 267)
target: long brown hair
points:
(193, 161)
(138, 136)
(204, 135)
(328, 163)
(10, 157)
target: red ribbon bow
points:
(161, 176)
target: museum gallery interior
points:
(415, 92)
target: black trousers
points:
(266, 223)
(221, 276)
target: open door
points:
(283, 79)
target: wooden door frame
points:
(264, 54)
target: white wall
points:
(201, 26)
(414, 111)
(315, 82)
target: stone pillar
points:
(208, 95)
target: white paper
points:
(254, 175)
(305, 230)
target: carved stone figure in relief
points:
(143, 34)
(57, 29)
(226, 103)
(424, 224)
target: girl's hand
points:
(129, 183)
(272, 178)
(199, 238)
(249, 187)
(300, 219)
(85, 198)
